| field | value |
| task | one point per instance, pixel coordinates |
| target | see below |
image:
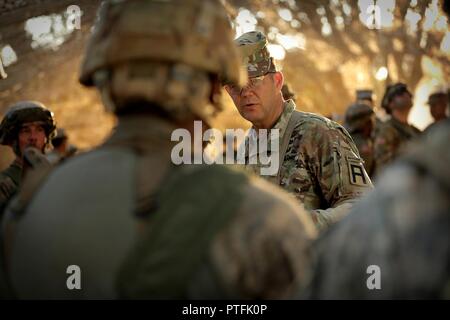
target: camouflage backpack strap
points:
(176, 241)
(293, 120)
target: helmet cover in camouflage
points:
(25, 112)
(257, 59)
(193, 32)
(163, 52)
(357, 116)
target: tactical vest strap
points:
(194, 204)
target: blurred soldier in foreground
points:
(62, 149)
(397, 240)
(396, 132)
(438, 103)
(318, 161)
(360, 122)
(136, 225)
(26, 124)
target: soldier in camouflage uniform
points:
(438, 103)
(26, 124)
(137, 225)
(62, 149)
(403, 228)
(360, 123)
(319, 162)
(395, 132)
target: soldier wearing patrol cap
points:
(360, 122)
(319, 162)
(132, 223)
(396, 131)
(26, 124)
(364, 96)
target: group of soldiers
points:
(138, 226)
(380, 142)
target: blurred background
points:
(327, 49)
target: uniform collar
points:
(281, 124)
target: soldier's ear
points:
(279, 80)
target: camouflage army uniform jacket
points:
(9, 183)
(321, 167)
(390, 139)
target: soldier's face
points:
(438, 111)
(32, 134)
(256, 102)
(403, 101)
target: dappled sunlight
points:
(8, 56)
(434, 80)
(50, 31)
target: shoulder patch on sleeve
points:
(357, 174)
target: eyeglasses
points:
(252, 83)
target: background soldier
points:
(402, 230)
(365, 96)
(319, 162)
(360, 123)
(136, 225)
(288, 93)
(396, 131)
(26, 124)
(62, 149)
(438, 103)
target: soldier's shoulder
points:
(309, 121)
(319, 127)
(9, 176)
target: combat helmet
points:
(392, 91)
(21, 113)
(163, 52)
(356, 116)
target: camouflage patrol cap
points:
(357, 116)
(364, 95)
(257, 59)
(24, 112)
